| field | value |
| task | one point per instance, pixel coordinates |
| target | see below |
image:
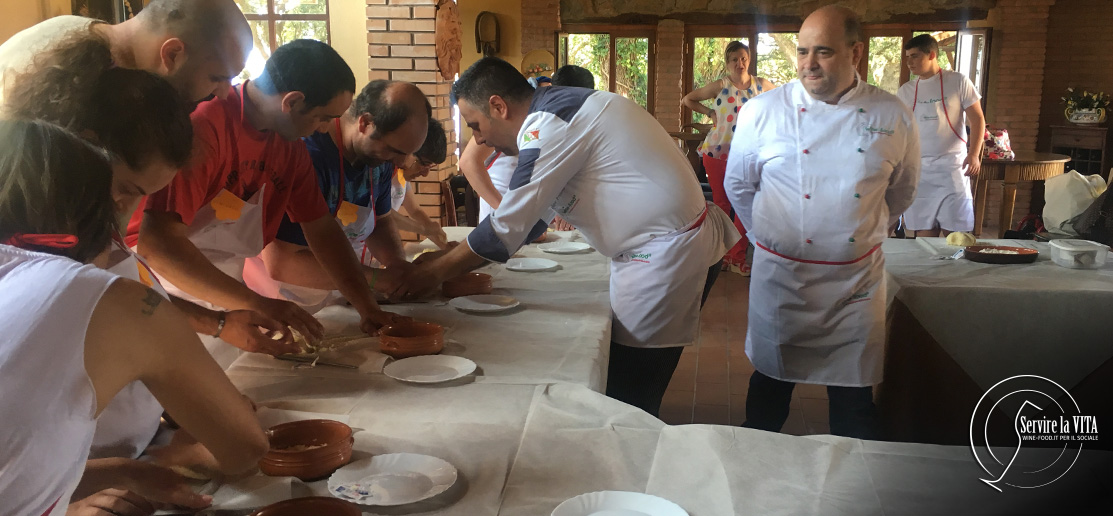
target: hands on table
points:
(251, 331)
(560, 224)
(290, 314)
(140, 489)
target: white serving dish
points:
(1078, 254)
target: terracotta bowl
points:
(411, 339)
(470, 284)
(310, 506)
(330, 442)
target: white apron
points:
(227, 230)
(819, 316)
(943, 195)
(129, 422)
(656, 288)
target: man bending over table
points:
(608, 168)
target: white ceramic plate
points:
(392, 479)
(483, 303)
(531, 264)
(564, 247)
(429, 368)
(618, 503)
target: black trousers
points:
(852, 410)
(640, 376)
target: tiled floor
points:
(710, 382)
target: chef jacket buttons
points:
(857, 196)
(860, 110)
(805, 151)
(803, 110)
(860, 149)
(807, 196)
(852, 239)
(808, 240)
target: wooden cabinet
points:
(1088, 148)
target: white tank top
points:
(49, 402)
(130, 421)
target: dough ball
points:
(960, 239)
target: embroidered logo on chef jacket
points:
(565, 207)
(531, 136)
(858, 298)
(878, 130)
(641, 257)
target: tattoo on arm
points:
(152, 301)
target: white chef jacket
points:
(817, 187)
(606, 166)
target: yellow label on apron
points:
(144, 275)
(348, 213)
(226, 206)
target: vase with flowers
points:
(1085, 108)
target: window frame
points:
(614, 32)
(272, 18)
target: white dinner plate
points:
(618, 503)
(429, 368)
(483, 303)
(564, 247)
(531, 264)
(392, 479)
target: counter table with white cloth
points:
(958, 327)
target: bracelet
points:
(220, 324)
(374, 276)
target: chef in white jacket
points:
(608, 168)
(944, 103)
(818, 170)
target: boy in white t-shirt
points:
(944, 103)
(432, 153)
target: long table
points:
(532, 430)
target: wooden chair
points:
(448, 203)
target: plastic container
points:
(308, 449)
(1078, 254)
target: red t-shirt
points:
(232, 155)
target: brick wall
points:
(670, 66)
(540, 23)
(1074, 58)
(1017, 68)
(401, 46)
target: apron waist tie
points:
(819, 262)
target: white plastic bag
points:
(1067, 196)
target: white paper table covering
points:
(999, 321)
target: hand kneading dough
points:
(961, 239)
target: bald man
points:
(819, 169)
(197, 45)
(355, 160)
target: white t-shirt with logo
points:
(18, 53)
(939, 144)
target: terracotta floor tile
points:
(795, 424)
(807, 390)
(683, 381)
(739, 383)
(818, 427)
(712, 394)
(713, 339)
(678, 398)
(676, 415)
(814, 410)
(711, 415)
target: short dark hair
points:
(853, 28)
(491, 76)
(387, 116)
(735, 46)
(136, 115)
(310, 67)
(52, 182)
(572, 75)
(435, 148)
(924, 43)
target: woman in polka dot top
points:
(730, 93)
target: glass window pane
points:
(289, 30)
(591, 51)
(776, 56)
(708, 65)
(260, 35)
(632, 69)
(883, 67)
(253, 6)
(299, 6)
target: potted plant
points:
(1085, 108)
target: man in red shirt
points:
(250, 169)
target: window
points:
(883, 67)
(620, 58)
(274, 22)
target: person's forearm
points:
(385, 244)
(459, 260)
(696, 106)
(201, 319)
(977, 136)
(472, 166)
(334, 252)
(415, 215)
(405, 223)
(164, 244)
(101, 474)
(296, 265)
